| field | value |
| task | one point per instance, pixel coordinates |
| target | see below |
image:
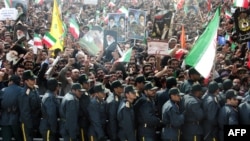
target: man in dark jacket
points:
(10, 112)
(30, 106)
(69, 110)
(50, 112)
(172, 118)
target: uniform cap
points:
(213, 86)
(52, 83)
(116, 84)
(150, 86)
(16, 79)
(140, 79)
(193, 71)
(28, 74)
(77, 86)
(83, 78)
(99, 88)
(227, 84)
(196, 87)
(232, 94)
(174, 91)
(129, 88)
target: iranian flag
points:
(123, 10)
(39, 2)
(48, 40)
(8, 3)
(241, 3)
(202, 55)
(228, 15)
(37, 41)
(126, 56)
(74, 28)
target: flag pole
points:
(199, 11)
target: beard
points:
(109, 42)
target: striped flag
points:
(202, 55)
(228, 15)
(37, 41)
(8, 3)
(126, 56)
(74, 28)
(241, 3)
(39, 2)
(123, 10)
(48, 40)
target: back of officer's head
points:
(227, 84)
(213, 87)
(52, 84)
(15, 79)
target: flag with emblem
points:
(37, 41)
(241, 3)
(49, 40)
(74, 28)
(56, 29)
(202, 55)
(8, 3)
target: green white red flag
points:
(241, 3)
(126, 56)
(37, 41)
(39, 2)
(74, 28)
(123, 10)
(228, 15)
(202, 55)
(48, 40)
(8, 3)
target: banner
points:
(160, 47)
(117, 23)
(136, 24)
(162, 25)
(90, 2)
(8, 13)
(92, 42)
(109, 43)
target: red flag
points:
(183, 38)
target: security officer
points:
(192, 129)
(163, 96)
(140, 80)
(194, 76)
(113, 101)
(244, 111)
(228, 114)
(146, 118)
(50, 112)
(83, 111)
(30, 106)
(227, 84)
(126, 117)
(211, 108)
(97, 114)
(10, 113)
(69, 111)
(172, 117)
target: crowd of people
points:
(70, 94)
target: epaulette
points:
(36, 86)
(127, 104)
(116, 98)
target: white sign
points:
(91, 2)
(8, 13)
(158, 47)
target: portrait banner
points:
(110, 44)
(92, 42)
(117, 23)
(157, 47)
(136, 24)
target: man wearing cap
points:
(139, 84)
(228, 114)
(113, 101)
(83, 111)
(69, 112)
(50, 112)
(97, 114)
(211, 108)
(9, 120)
(172, 117)
(126, 116)
(146, 118)
(244, 111)
(194, 76)
(29, 106)
(226, 84)
(192, 129)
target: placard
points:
(8, 13)
(91, 2)
(158, 47)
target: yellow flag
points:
(56, 29)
